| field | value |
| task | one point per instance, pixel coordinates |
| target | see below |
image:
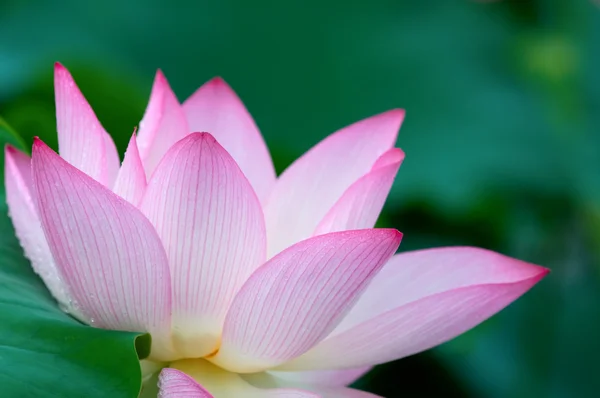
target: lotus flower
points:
(251, 285)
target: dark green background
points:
(502, 136)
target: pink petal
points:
(312, 185)
(287, 393)
(360, 205)
(82, 140)
(131, 179)
(329, 378)
(162, 126)
(22, 210)
(317, 381)
(341, 392)
(175, 384)
(112, 160)
(212, 227)
(293, 301)
(419, 300)
(216, 108)
(110, 256)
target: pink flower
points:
(250, 284)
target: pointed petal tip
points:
(389, 233)
(397, 115)
(542, 272)
(12, 155)
(398, 154)
(38, 144)
(218, 81)
(201, 136)
(61, 72)
(9, 150)
(396, 112)
(160, 78)
(394, 156)
(513, 269)
(384, 233)
(218, 84)
(397, 234)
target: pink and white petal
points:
(298, 297)
(217, 109)
(113, 162)
(341, 392)
(212, 227)
(328, 378)
(310, 381)
(309, 188)
(22, 210)
(360, 205)
(222, 383)
(82, 141)
(108, 253)
(287, 393)
(162, 126)
(173, 383)
(419, 300)
(307, 379)
(131, 179)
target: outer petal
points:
(216, 108)
(176, 384)
(163, 124)
(360, 205)
(226, 384)
(341, 392)
(419, 300)
(308, 380)
(82, 140)
(22, 210)
(316, 382)
(212, 227)
(131, 180)
(293, 301)
(109, 254)
(329, 378)
(309, 188)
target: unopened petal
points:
(162, 126)
(297, 298)
(311, 186)
(131, 179)
(108, 253)
(217, 109)
(419, 300)
(82, 141)
(212, 227)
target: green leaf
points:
(43, 351)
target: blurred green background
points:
(502, 136)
